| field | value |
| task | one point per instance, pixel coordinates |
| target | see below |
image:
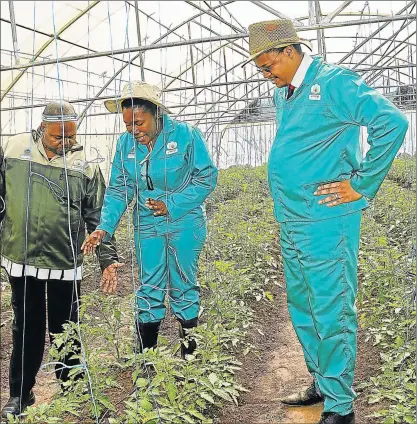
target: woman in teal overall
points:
(164, 166)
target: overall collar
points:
(312, 70)
(161, 141)
(310, 74)
(302, 70)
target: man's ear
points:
(289, 51)
(43, 126)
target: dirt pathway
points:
(278, 369)
(46, 385)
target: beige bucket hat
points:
(138, 90)
(266, 35)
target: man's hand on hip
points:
(339, 192)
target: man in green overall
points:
(320, 183)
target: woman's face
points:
(142, 125)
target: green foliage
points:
(237, 268)
(403, 172)
(387, 273)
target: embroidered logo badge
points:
(26, 155)
(171, 148)
(315, 92)
(78, 164)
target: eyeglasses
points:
(267, 68)
(264, 68)
(144, 172)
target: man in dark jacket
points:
(51, 194)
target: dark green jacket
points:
(49, 205)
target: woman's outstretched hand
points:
(92, 241)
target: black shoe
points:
(192, 344)
(309, 396)
(15, 407)
(332, 418)
(147, 334)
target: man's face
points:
(58, 136)
(142, 125)
(278, 67)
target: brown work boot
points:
(309, 396)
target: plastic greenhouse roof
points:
(203, 82)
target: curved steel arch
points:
(170, 31)
(82, 115)
(198, 61)
(211, 82)
(350, 53)
(213, 125)
(47, 44)
(224, 95)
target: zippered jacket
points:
(49, 205)
(182, 174)
(317, 142)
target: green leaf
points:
(104, 400)
(207, 397)
(188, 419)
(145, 404)
(222, 394)
(374, 399)
(213, 378)
(171, 390)
(157, 380)
(141, 382)
(197, 414)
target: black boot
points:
(147, 334)
(192, 344)
(332, 418)
(309, 396)
(15, 407)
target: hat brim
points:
(115, 105)
(277, 46)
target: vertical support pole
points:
(192, 61)
(225, 73)
(14, 32)
(141, 59)
(320, 32)
(244, 139)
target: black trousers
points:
(29, 326)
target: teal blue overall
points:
(317, 141)
(167, 247)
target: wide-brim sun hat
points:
(267, 35)
(137, 90)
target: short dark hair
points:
(297, 48)
(143, 104)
